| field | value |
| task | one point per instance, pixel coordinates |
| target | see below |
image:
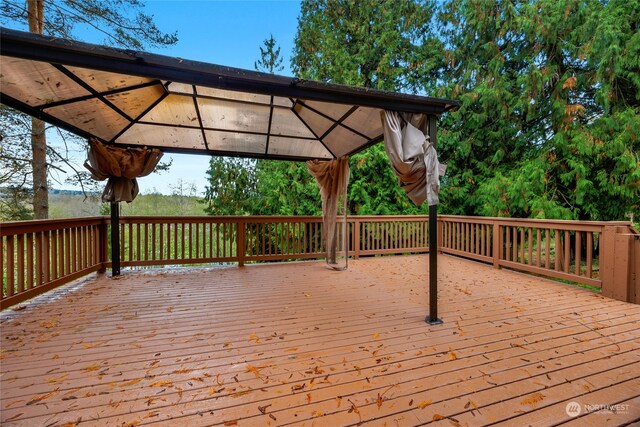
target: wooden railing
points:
(568, 250)
(40, 255)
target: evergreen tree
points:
(549, 93)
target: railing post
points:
(102, 245)
(616, 263)
(356, 238)
(115, 239)
(241, 246)
(497, 245)
(440, 234)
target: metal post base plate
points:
(435, 321)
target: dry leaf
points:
(354, 408)
(379, 400)
(169, 309)
(255, 370)
(308, 398)
(338, 401)
(240, 393)
(424, 404)
(533, 400)
(254, 337)
(437, 417)
(92, 367)
(15, 416)
(162, 383)
(132, 382)
(42, 397)
(183, 371)
(452, 355)
(376, 335)
(263, 409)
(131, 423)
(231, 423)
(317, 414)
(98, 344)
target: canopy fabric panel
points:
(121, 166)
(413, 156)
(135, 99)
(332, 177)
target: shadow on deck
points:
(299, 344)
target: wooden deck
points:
(297, 344)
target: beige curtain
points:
(121, 166)
(412, 156)
(332, 177)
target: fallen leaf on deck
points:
(424, 404)
(231, 423)
(169, 309)
(355, 409)
(254, 337)
(240, 393)
(42, 397)
(92, 367)
(55, 356)
(379, 400)
(131, 423)
(376, 335)
(338, 401)
(255, 370)
(132, 382)
(533, 400)
(98, 344)
(183, 371)
(437, 417)
(308, 295)
(49, 323)
(317, 414)
(263, 409)
(54, 380)
(292, 349)
(162, 383)
(298, 387)
(452, 355)
(15, 416)
(470, 403)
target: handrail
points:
(40, 255)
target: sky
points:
(220, 32)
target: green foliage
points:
(231, 188)
(14, 204)
(270, 59)
(549, 116)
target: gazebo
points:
(130, 99)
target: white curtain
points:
(412, 156)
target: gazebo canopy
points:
(133, 99)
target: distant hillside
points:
(70, 204)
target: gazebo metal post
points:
(432, 318)
(115, 239)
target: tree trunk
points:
(38, 139)
(39, 166)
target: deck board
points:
(297, 344)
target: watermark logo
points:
(573, 409)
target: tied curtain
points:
(413, 156)
(121, 166)
(332, 177)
